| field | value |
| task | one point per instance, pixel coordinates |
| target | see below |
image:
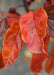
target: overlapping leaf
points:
(12, 17)
(12, 44)
(38, 59)
(49, 65)
(31, 25)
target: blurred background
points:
(21, 65)
(6, 4)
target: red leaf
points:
(49, 65)
(38, 59)
(40, 19)
(31, 35)
(12, 44)
(11, 20)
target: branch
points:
(26, 5)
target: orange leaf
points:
(32, 35)
(40, 19)
(38, 59)
(12, 44)
(49, 65)
(11, 20)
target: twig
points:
(26, 5)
